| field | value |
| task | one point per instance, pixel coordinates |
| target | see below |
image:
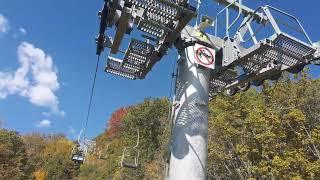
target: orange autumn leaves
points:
(114, 123)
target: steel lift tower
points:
(254, 46)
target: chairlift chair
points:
(126, 153)
(103, 154)
(81, 149)
(77, 155)
(317, 54)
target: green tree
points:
(34, 144)
(40, 174)
(273, 134)
(150, 118)
(13, 158)
(56, 157)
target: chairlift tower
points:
(82, 148)
(208, 64)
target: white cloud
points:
(23, 31)
(43, 124)
(4, 24)
(35, 79)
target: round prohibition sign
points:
(204, 56)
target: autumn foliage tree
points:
(114, 122)
(34, 144)
(268, 133)
(13, 157)
(35, 156)
(151, 119)
(40, 174)
(272, 134)
(58, 164)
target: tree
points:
(273, 134)
(270, 133)
(13, 158)
(35, 143)
(40, 174)
(115, 122)
(57, 161)
(150, 118)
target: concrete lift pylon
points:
(208, 64)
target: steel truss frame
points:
(160, 22)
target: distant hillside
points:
(35, 156)
(273, 133)
(151, 119)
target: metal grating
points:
(158, 17)
(160, 21)
(114, 66)
(137, 54)
(216, 83)
(135, 60)
(166, 8)
(293, 46)
(140, 47)
(228, 75)
(153, 28)
(215, 86)
(222, 79)
(282, 50)
(260, 59)
(120, 73)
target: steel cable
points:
(91, 97)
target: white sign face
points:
(204, 56)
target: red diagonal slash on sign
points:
(204, 56)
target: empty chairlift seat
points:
(132, 153)
(77, 154)
(79, 157)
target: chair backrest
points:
(104, 154)
(126, 154)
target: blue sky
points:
(47, 61)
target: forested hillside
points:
(35, 156)
(274, 134)
(269, 133)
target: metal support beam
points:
(190, 130)
(169, 39)
(122, 27)
(244, 9)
